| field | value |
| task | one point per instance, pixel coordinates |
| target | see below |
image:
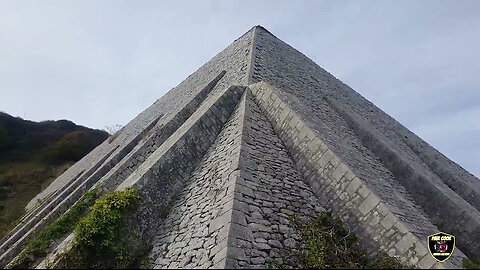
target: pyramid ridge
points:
(258, 131)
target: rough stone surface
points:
(366, 211)
(269, 191)
(197, 223)
(253, 189)
(410, 169)
(256, 136)
(160, 177)
(234, 60)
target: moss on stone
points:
(40, 245)
(469, 264)
(102, 240)
(327, 243)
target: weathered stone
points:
(405, 243)
(259, 227)
(275, 243)
(427, 262)
(225, 160)
(353, 186)
(261, 246)
(258, 260)
(368, 204)
(388, 221)
(289, 242)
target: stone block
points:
(220, 256)
(363, 191)
(238, 218)
(325, 159)
(335, 161)
(339, 171)
(420, 249)
(368, 204)
(245, 190)
(313, 146)
(294, 122)
(241, 232)
(236, 253)
(388, 221)
(426, 262)
(354, 186)
(401, 227)
(408, 241)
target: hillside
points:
(32, 154)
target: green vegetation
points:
(102, 240)
(39, 247)
(468, 264)
(32, 155)
(328, 244)
(271, 264)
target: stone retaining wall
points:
(162, 175)
(161, 178)
(193, 235)
(452, 213)
(234, 60)
(304, 86)
(269, 193)
(153, 138)
(347, 195)
(299, 140)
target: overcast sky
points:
(101, 63)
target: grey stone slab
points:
(298, 128)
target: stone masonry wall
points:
(293, 73)
(194, 232)
(268, 193)
(303, 85)
(53, 206)
(368, 212)
(235, 210)
(152, 139)
(299, 140)
(162, 175)
(467, 219)
(235, 60)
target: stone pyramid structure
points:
(258, 133)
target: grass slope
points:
(32, 155)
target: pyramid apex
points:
(259, 27)
(256, 127)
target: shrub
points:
(329, 244)
(39, 246)
(101, 239)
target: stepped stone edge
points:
(59, 201)
(409, 248)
